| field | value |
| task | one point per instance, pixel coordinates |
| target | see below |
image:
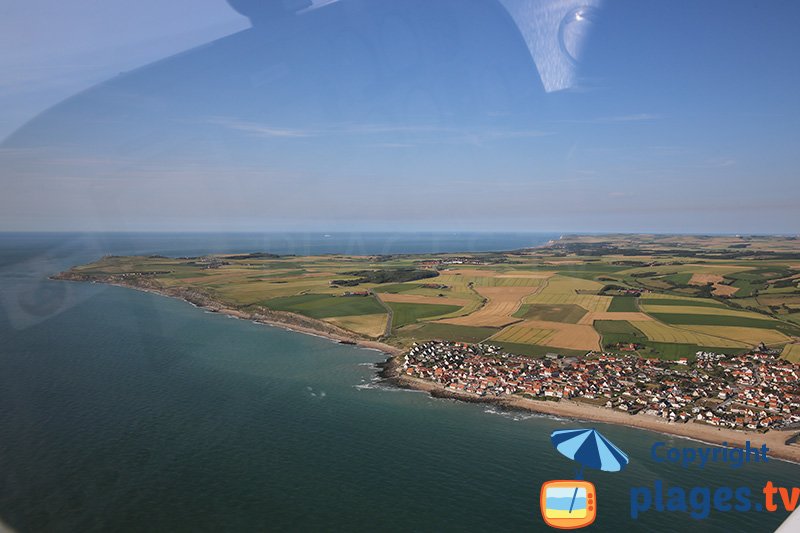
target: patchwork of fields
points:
(669, 299)
(498, 311)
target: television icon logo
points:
(568, 504)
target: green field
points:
(624, 304)
(445, 332)
(396, 288)
(567, 313)
(326, 306)
(614, 331)
(679, 278)
(671, 351)
(407, 313)
(681, 302)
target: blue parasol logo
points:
(572, 504)
(590, 449)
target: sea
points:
(127, 411)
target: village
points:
(756, 391)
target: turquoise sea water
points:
(126, 411)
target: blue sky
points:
(375, 115)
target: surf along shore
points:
(281, 319)
(776, 441)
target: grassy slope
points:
(326, 306)
(446, 332)
(406, 313)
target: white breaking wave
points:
(518, 416)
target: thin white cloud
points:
(259, 130)
(438, 134)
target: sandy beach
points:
(775, 440)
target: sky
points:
(491, 115)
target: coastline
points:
(390, 372)
(280, 319)
(570, 409)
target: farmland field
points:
(367, 325)
(623, 304)
(418, 299)
(669, 296)
(325, 306)
(523, 334)
(568, 313)
(556, 334)
(654, 299)
(501, 304)
(744, 335)
(407, 313)
(656, 331)
(657, 310)
(616, 331)
(447, 332)
(723, 320)
(791, 352)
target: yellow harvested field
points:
(751, 336)
(555, 334)
(369, 325)
(590, 302)
(659, 332)
(791, 352)
(567, 285)
(523, 334)
(697, 310)
(502, 303)
(511, 281)
(485, 278)
(589, 318)
(724, 290)
(417, 299)
(532, 275)
(702, 279)
(559, 290)
(261, 290)
(720, 289)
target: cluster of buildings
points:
(450, 261)
(756, 391)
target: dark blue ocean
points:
(126, 411)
